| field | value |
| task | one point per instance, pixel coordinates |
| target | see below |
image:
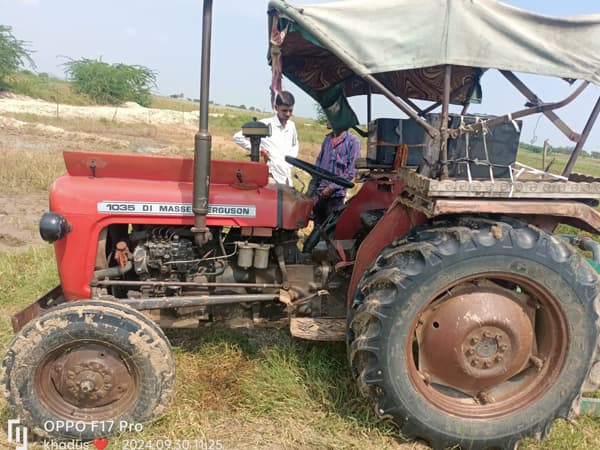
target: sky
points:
(166, 37)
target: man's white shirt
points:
(282, 142)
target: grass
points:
(250, 389)
(46, 88)
(25, 171)
(586, 165)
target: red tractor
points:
(468, 322)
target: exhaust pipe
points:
(203, 139)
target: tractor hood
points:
(126, 188)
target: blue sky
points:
(166, 37)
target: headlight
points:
(53, 227)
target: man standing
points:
(339, 151)
(282, 142)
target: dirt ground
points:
(140, 130)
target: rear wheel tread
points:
(445, 241)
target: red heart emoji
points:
(100, 443)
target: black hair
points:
(285, 98)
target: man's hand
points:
(264, 154)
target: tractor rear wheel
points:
(85, 369)
(475, 333)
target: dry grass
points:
(29, 170)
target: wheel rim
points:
(487, 345)
(87, 380)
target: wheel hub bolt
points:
(537, 362)
(86, 386)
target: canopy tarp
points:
(406, 43)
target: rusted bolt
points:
(537, 362)
(498, 337)
(486, 364)
(470, 352)
(475, 362)
(485, 398)
(498, 358)
(474, 341)
(425, 376)
(86, 386)
(487, 334)
(503, 347)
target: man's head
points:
(284, 105)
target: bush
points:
(111, 83)
(13, 53)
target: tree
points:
(321, 116)
(111, 83)
(13, 53)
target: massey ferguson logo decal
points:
(174, 209)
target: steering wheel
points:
(318, 173)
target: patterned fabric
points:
(338, 155)
(317, 70)
(277, 37)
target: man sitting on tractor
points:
(339, 151)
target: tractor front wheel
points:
(475, 333)
(86, 369)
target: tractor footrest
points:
(318, 329)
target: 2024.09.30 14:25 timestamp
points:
(172, 444)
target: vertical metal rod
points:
(203, 140)
(369, 94)
(205, 69)
(444, 124)
(584, 135)
(544, 154)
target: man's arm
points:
(241, 140)
(295, 144)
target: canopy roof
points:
(406, 43)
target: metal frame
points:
(535, 106)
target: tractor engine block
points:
(166, 254)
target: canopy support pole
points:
(530, 95)
(380, 87)
(584, 135)
(369, 95)
(444, 124)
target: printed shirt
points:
(338, 155)
(282, 142)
